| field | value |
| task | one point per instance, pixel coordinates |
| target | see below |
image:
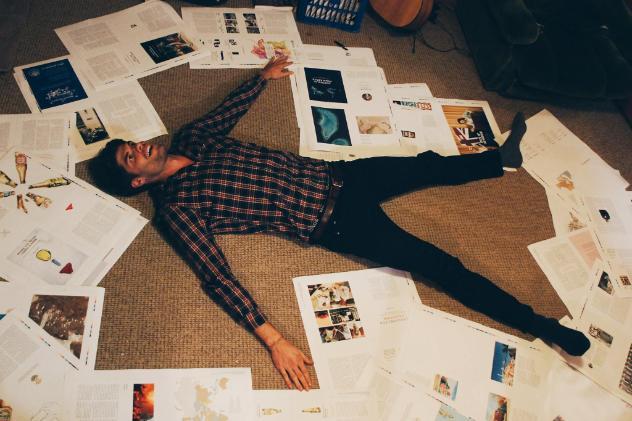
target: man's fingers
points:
(295, 379)
(288, 383)
(307, 360)
(301, 378)
(306, 375)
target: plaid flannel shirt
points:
(235, 187)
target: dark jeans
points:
(360, 227)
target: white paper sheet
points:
(352, 317)
(567, 261)
(317, 404)
(608, 361)
(47, 138)
(122, 112)
(71, 316)
(59, 235)
(242, 37)
(574, 397)
(324, 55)
(169, 394)
(565, 220)
(343, 108)
(480, 372)
(564, 164)
(32, 371)
(129, 44)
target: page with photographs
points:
(318, 404)
(57, 229)
(129, 44)
(161, 395)
(352, 317)
(567, 262)
(32, 372)
(341, 108)
(71, 316)
(404, 99)
(574, 397)
(122, 112)
(608, 361)
(399, 401)
(242, 37)
(47, 138)
(480, 372)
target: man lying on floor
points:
(208, 183)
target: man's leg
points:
(390, 176)
(360, 228)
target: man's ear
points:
(138, 182)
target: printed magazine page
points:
(352, 317)
(161, 395)
(123, 112)
(242, 37)
(480, 372)
(57, 229)
(71, 316)
(344, 108)
(317, 404)
(135, 42)
(32, 371)
(46, 138)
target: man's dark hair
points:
(108, 175)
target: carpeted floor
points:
(157, 316)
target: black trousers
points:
(359, 226)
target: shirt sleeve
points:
(213, 126)
(189, 233)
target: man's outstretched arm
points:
(222, 119)
(189, 233)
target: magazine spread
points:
(124, 111)
(135, 42)
(57, 229)
(242, 37)
(161, 395)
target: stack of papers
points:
(589, 261)
(55, 86)
(242, 38)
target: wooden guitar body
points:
(403, 14)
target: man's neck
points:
(174, 164)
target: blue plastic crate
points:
(343, 14)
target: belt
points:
(335, 186)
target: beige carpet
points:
(157, 316)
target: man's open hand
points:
(290, 361)
(276, 68)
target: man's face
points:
(143, 160)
